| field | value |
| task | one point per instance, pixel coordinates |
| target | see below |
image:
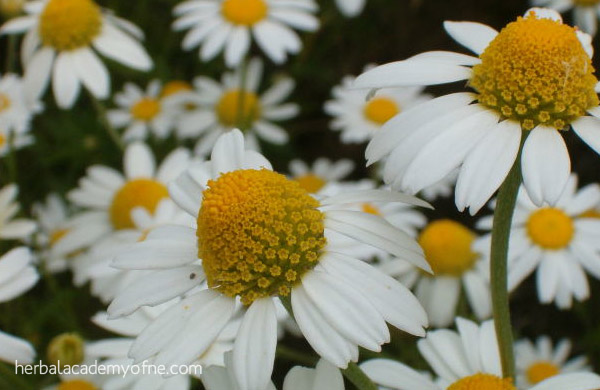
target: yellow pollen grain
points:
(447, 247)
(244, 12)
(174, 87)
(536, 72)
(311, 182)
(229, 111)
(258, 234)
(146, 109)
(57, 235)
(5, 102)
(70, 24)
(371, 209)
(550, 228)
(381, 109)
(482, 382)
(77, 385)
(146, 193)
(540, 371)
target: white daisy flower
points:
(464, 360)
(261, 236)
(143, 112)
(15, 111)
(15, 349)
(218, 25)
(61, 40)
(10, 228)
(322, 172)
(585, 12)
(557, 240)
(351, 8)
(540, 361)
(218, 107)
(360, 118)
(108, 197)
(521, 87)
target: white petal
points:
(139, 162)
(92, 72)
(575, 381)
(474, 36)
(396, 375)
(65, 83)
(228, 152)
(120, 47)
(588, 129)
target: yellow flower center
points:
(592, 213)
(5, 102)
(447, 247)
(536, 72)
(57, 235)
(370, 209)
(381, 110)
(483, 382)
(146, 109)
(258, 234)
(174, 87)
(550, 228)
(2, 140)
(586, 3)
(77, 385)
(146, 193)
(70, 24)
(540, 371)
(311, 182)
(66, 349)
(235, 107)
(244, 12)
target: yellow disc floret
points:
(591, 213)
(483, 382)
(244, 12)
(536, 71)
(550, 228)
(447, 247)
(258, 234)
(540, 371)
(11, 8)
(311, 182)
(70, 24)
(380, 110)
(174, 87)
(5, 102)
(146, 109)
(77, 385)
(235, 107)
(146, 193)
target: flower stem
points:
(103, 119)
(505, 206)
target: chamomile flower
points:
(15, 111)
(109, 197)
(219, 107)
(540, 361)
(261, 236)
(557, 240)
(359, 118)
(585, 12)
(14, 349)
(61, 40)
(10, 228)
(323, 171)
(464, 360)
(227, 25)
(521, 87)
(142, 112)
(351, 8)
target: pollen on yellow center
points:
(146, 193)
(311, 182)
(483, 382)
(5, 102)
(229, 108)
(536, 72)
(77, 385)
(70, 24)
(245, 12)
(381, 110)
(540, 371)
(258, 234)
(447, 247)
(146, 109)
(174, 87)
(550, 228)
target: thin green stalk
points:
(505, 206)
(10, 376)
(103, 119)
(240, 115)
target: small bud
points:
(66, 349)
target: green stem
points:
(10, 375)
(240, 115)
(505, 206)
(103, 119)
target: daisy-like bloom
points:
(218, 25)
(359, 119)
(220, 107)
(351, 8)
(61, 37)
(142, 112)
(13, 229)
(108, 197)
(261, 236)
(464, 360)
(540, 361)
(322, 172)
(585, 12)
(521, 86)
(557, 240)
(448, 247)
(15, 110)
(15, 349)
